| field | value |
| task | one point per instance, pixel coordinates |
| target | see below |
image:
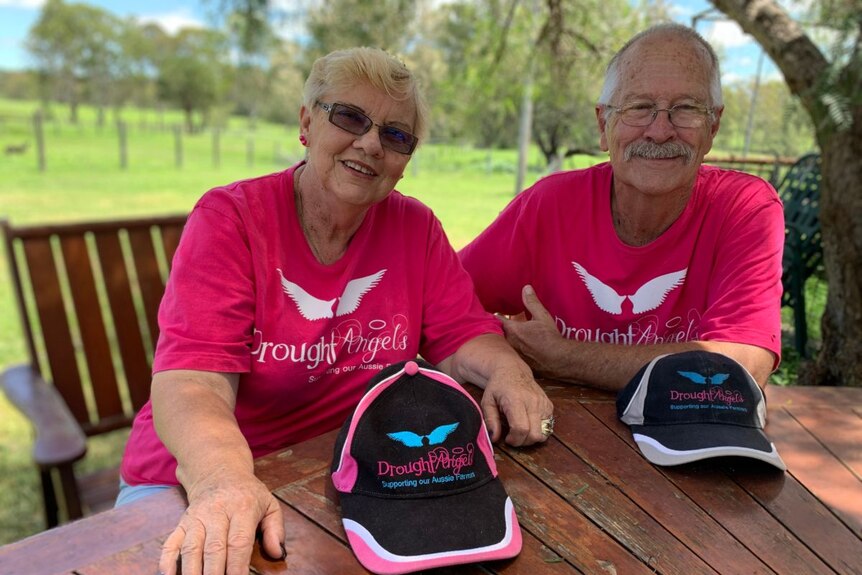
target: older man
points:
(649, 253)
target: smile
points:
(360, 168)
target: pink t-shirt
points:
(247, 296)
(715, 274)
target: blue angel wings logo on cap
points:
(411, 439)
(716, 379)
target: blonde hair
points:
(345, 68)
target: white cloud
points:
(727, 34)
(22, 3)
(174, 21)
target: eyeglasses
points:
(352, 120)
(641, 114)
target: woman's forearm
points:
(193, 413)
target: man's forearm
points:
(611, 366)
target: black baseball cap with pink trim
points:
(417, 481)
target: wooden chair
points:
(87, 295)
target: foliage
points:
(337, 24)
(779, 128)
(194, 73)
(72, 41)
(479, 62)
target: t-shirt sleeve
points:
(452, 314)
(745, 294)
(207, 313)
(497, 259)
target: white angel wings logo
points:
(648, 297)
(313, 308)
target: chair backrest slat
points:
(91, 323)
(149, 277)
(54, 323)
(135, 360)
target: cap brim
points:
(392, 536)
(684, 443)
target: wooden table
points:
(588, 502)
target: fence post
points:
(38, 129)
(121, 132)
(216, 150)
(178, 145)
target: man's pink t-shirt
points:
(715, 274)
(247, 296)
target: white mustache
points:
(652, 151)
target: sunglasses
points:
(352, 120)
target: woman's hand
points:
(217, 532)
(515, 395)
(511, 392)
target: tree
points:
(337, 24)
(829, 85)
(146, 47)
(192, 73)
(254, 39)
(76, 48)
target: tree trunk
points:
(806, 72)
(840, 359)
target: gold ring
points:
(548, 426)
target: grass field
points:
(83, 179)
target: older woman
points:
(287, 293)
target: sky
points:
(740, 53)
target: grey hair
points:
(343, 69)
(612, 74)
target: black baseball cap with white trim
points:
(694, 405)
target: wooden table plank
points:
(310, 551)
(837, 429)
(598, 499)
(817, 468)
(142, 559)
(82, 542)
(823, 533)
(833, 415)
(296, 462)
(584, 429)
(779, 543)
(813, 396)
(562, 528)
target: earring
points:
(303, 140)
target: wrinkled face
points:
(667, 71)
(355, 169)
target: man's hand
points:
(536, 338)
(217, 532)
